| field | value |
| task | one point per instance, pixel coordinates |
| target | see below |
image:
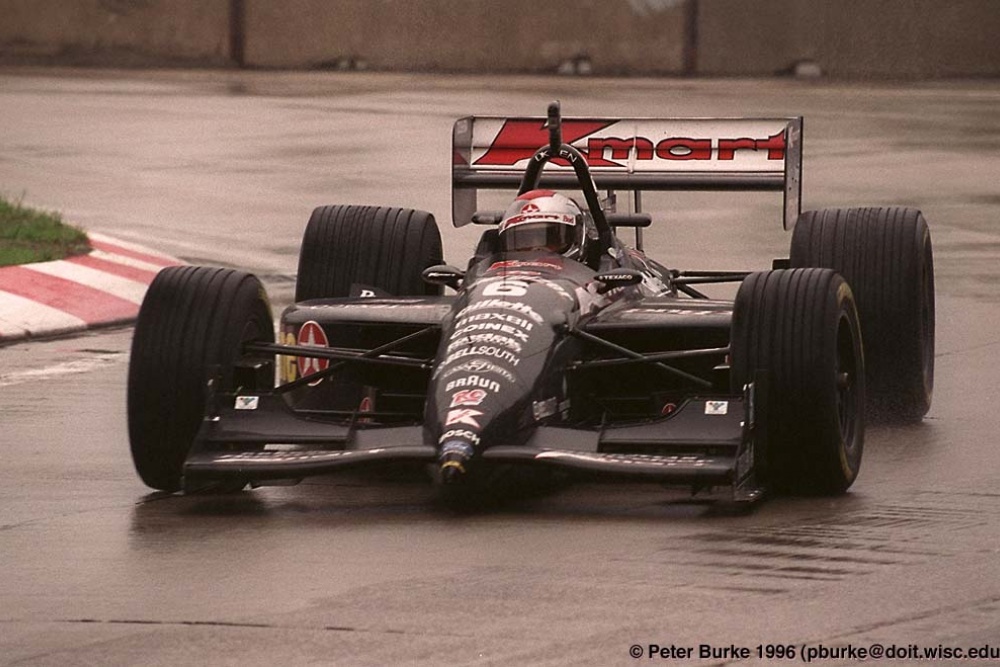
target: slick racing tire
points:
(369, 246)
(798, 330)
(885, 255)
(193, 320)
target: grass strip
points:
(29, 235)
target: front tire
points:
(800, 327)
(193, 319)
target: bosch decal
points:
(460, 433)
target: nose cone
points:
(453, 462)
(492, 361)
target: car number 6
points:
(506, 288)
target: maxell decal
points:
(522, 308)
(504, 318)
(491, 326)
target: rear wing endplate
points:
(637, 154)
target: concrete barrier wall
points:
(115, 31)
(851, 38)
(845, 38)
(614, 36)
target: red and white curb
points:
(104, 287)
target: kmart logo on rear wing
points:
(632, 154)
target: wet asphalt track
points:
(225, 167)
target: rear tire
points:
(385, 248)
(885, 255)
(800, 326)
(192, 319)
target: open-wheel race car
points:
(558, 348)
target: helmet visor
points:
(538, 235)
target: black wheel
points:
(193, 319)
(385, 248)
(885, 255)
(800, 327)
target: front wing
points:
(707, 442)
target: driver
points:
(545, 220)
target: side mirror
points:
(443, 274)
(617, 278)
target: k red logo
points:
(462, 417)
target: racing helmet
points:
(544, 220)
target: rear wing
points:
(637, 154)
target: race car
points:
(558, 348)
